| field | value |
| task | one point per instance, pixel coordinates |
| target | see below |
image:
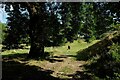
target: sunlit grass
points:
(66, 70)
(0, 46)
(15, 51)
(75, 47)
(61, 50)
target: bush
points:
(115, 52)
(107, 66)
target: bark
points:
(36, 33)
(36, 49)
(37, 40)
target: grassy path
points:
(60, 65)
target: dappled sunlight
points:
(60, 41)
(13, 70)
(60, 60)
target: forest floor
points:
(62, 64)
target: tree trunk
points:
(37, 48)
(36, 30)
(36, 51)
(36, 37)
(37, 40)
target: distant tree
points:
(2, 32)
(104, 18)
(88, 20)
(96, 19)
(17, 29)
(71, 20)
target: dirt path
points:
(62, 65)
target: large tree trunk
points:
(37, 40)
(37, 45)
(36, 29)
(36, 50)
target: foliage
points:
(92, 17)
(48, 30)
(115, 52)
(107, 65)
(103, 18)
(53, 23)
(71, 20)
(117, 27)
(2, 32)
(17, 30)
(88, 20)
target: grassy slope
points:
(75, 47)
(99, 47)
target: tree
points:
(51, 23)
(2, 32)
(103, 18)
(88, 20)
(71, 20)
(40, 24)
(96, 19)
(17, 27)
(26, 19)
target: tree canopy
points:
(53, 23)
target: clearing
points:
(62, 64)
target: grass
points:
(14, 51)
(62, 50)
(75, 47)
(62, 63)
(66, 70)
(0, 46)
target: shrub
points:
(115, 52)
(107, 66)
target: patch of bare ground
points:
(62, 65)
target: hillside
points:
(100, 46)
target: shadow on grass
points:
(93, 50)
(52, 60)
(99, 47)
(24, 57)
(79, 75)
(61, 56)
(83, 55)
(105, 68)
(12, 70)
(71, 56)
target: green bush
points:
(107, 66)
(115, 52)
(2, 32)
